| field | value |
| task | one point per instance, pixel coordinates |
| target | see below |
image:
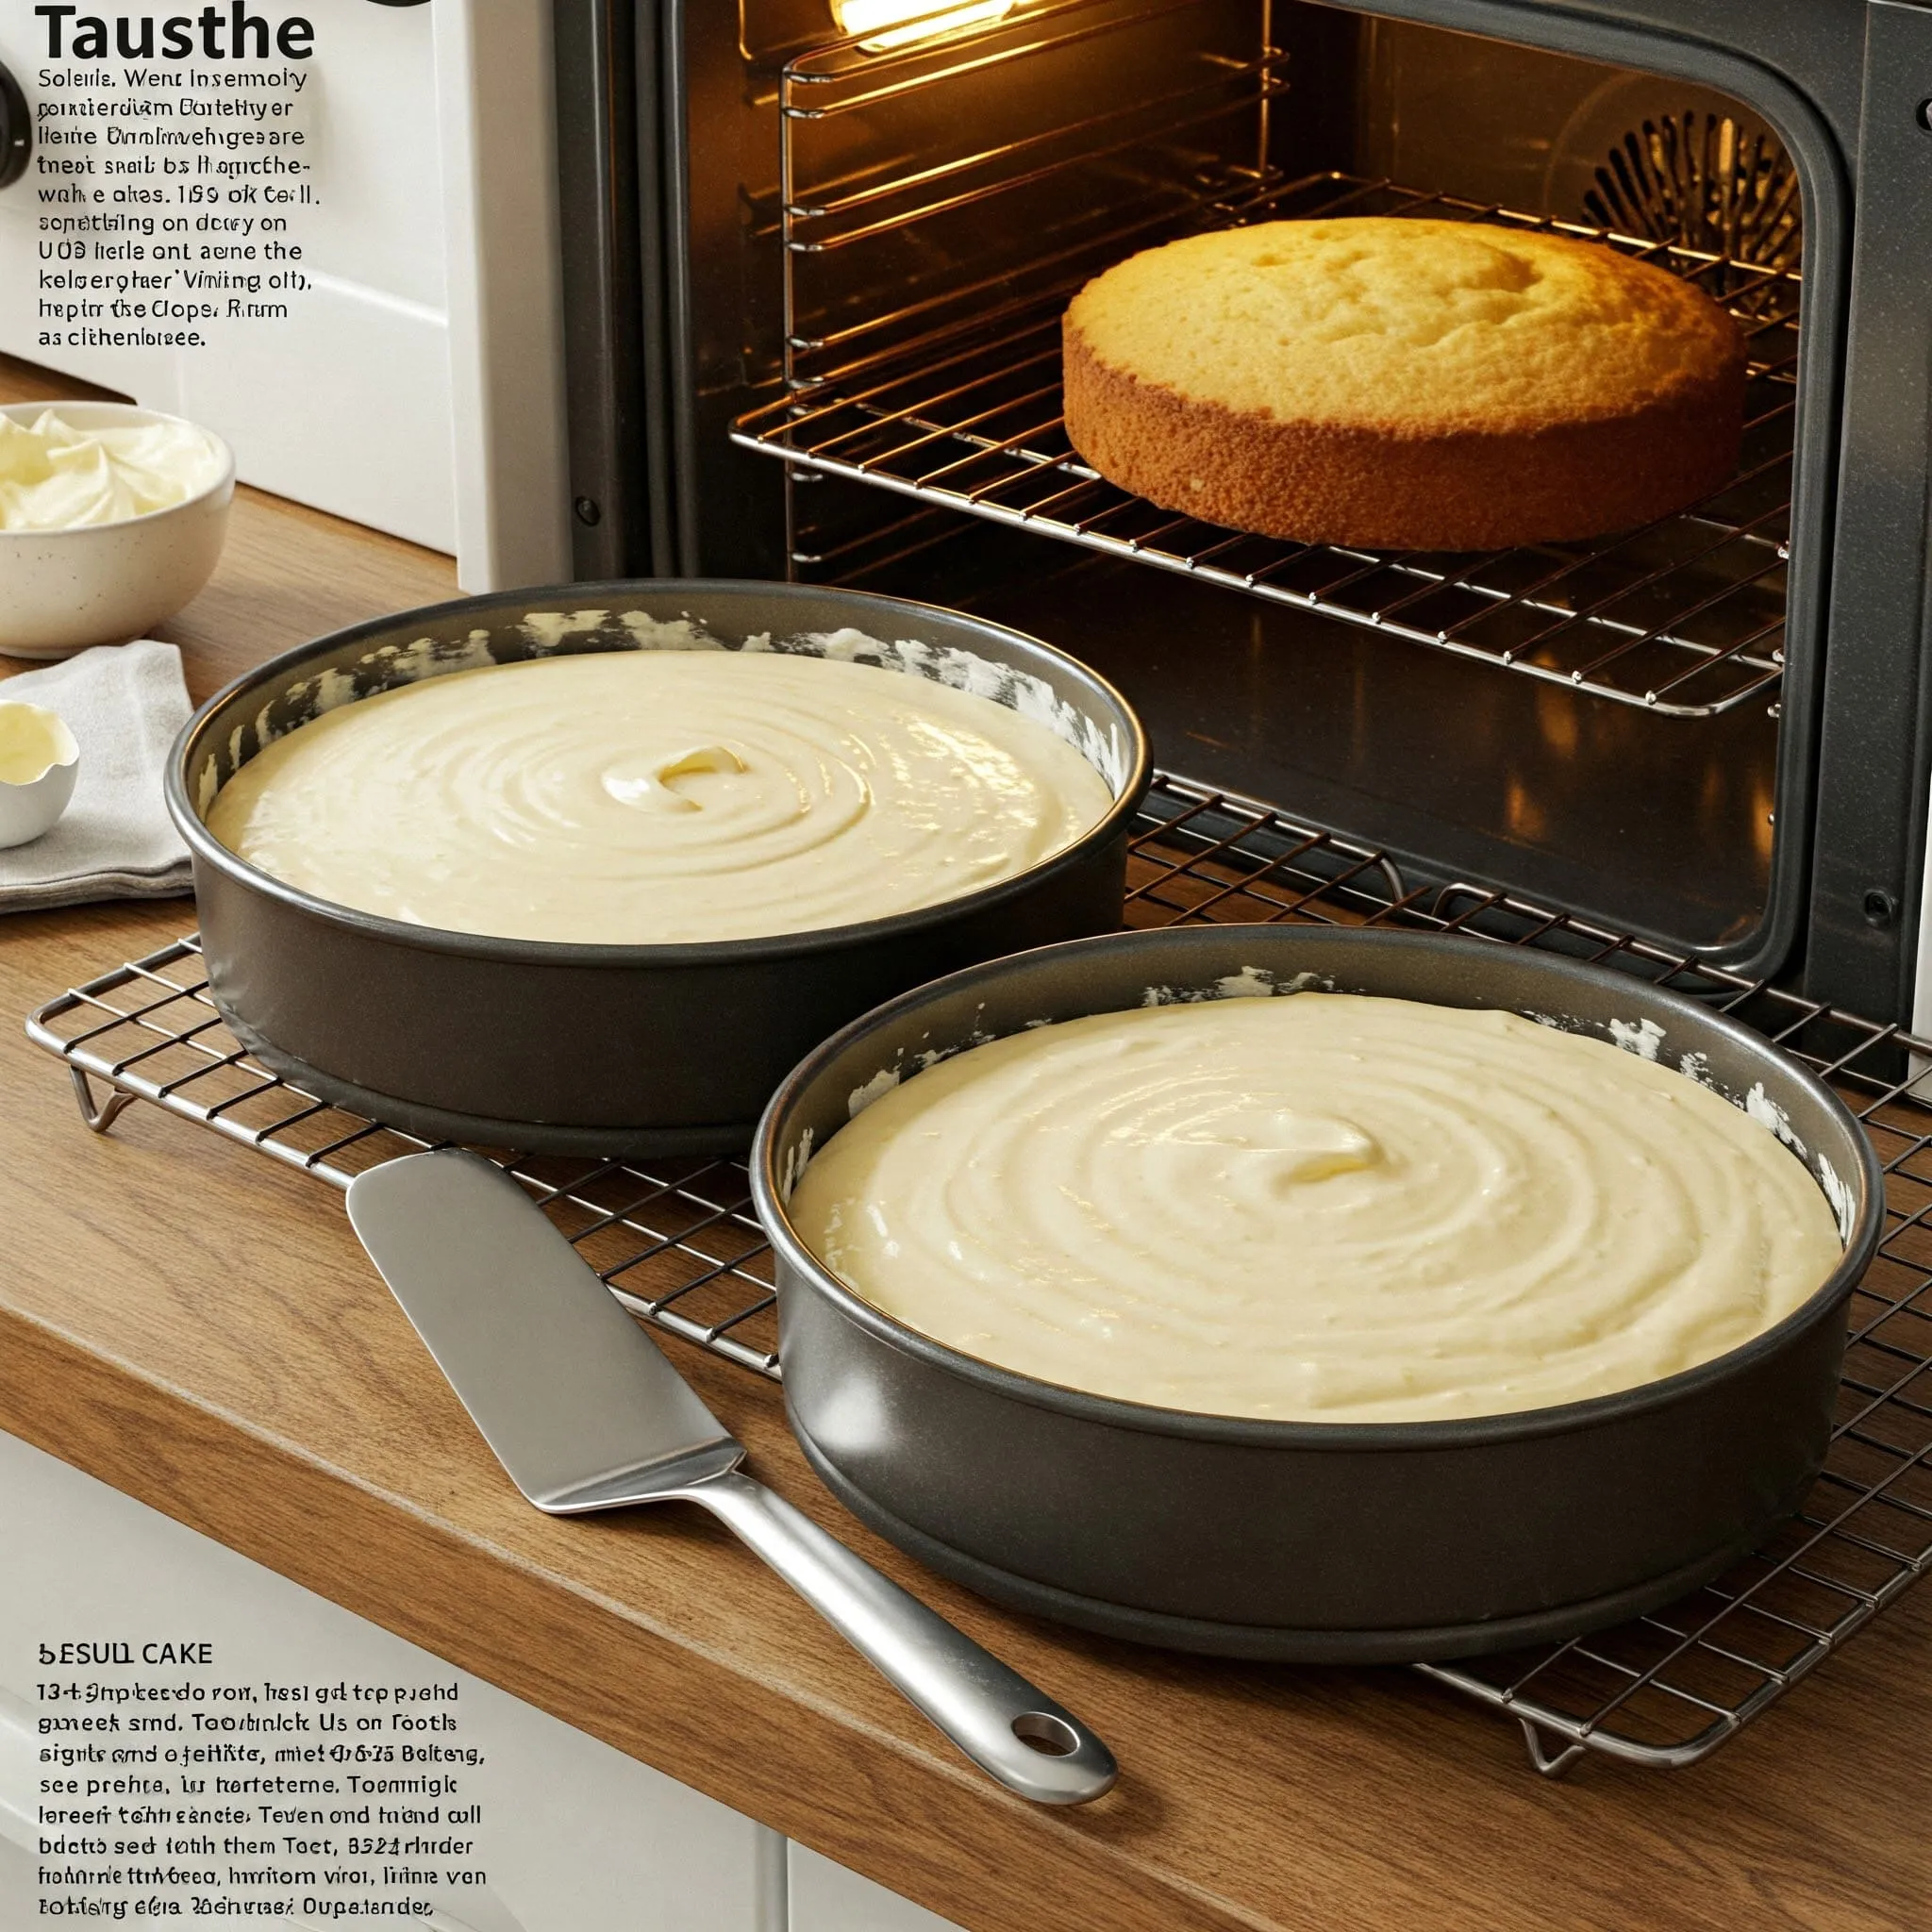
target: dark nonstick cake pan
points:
(1361, 1542)
(619, 1049)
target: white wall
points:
(416, 385)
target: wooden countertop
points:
(198, 1327)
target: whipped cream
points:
(1319, 1207)
(659, 796)
(56, 475)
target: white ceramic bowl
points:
(62, 590)
(39, 759)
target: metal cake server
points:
(585, 1413)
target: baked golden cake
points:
(1413, 385)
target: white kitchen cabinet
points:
(825, 1897)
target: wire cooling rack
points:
(679, 1243)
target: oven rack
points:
(1684, 617)
(679, 1243)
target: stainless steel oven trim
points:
(611, 204)
(1866, 934)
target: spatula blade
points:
(568, 1390)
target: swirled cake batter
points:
(654, 796)
(1320, 1207)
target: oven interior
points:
(880, 231)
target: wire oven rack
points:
(677, 1242)
(953, 398)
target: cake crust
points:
(1410, 402)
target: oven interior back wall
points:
(879, 246)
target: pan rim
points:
(209, 850)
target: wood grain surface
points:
(198, 1327)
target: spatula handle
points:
(1007, 1727)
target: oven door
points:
(812, 286)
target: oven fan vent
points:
(1703, 182)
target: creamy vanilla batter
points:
(1320, 1207)
(654, 796)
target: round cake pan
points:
(619, 1049)
(1353, 1542)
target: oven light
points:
(888, 23)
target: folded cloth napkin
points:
(123, 702)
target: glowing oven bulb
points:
(899, 22)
